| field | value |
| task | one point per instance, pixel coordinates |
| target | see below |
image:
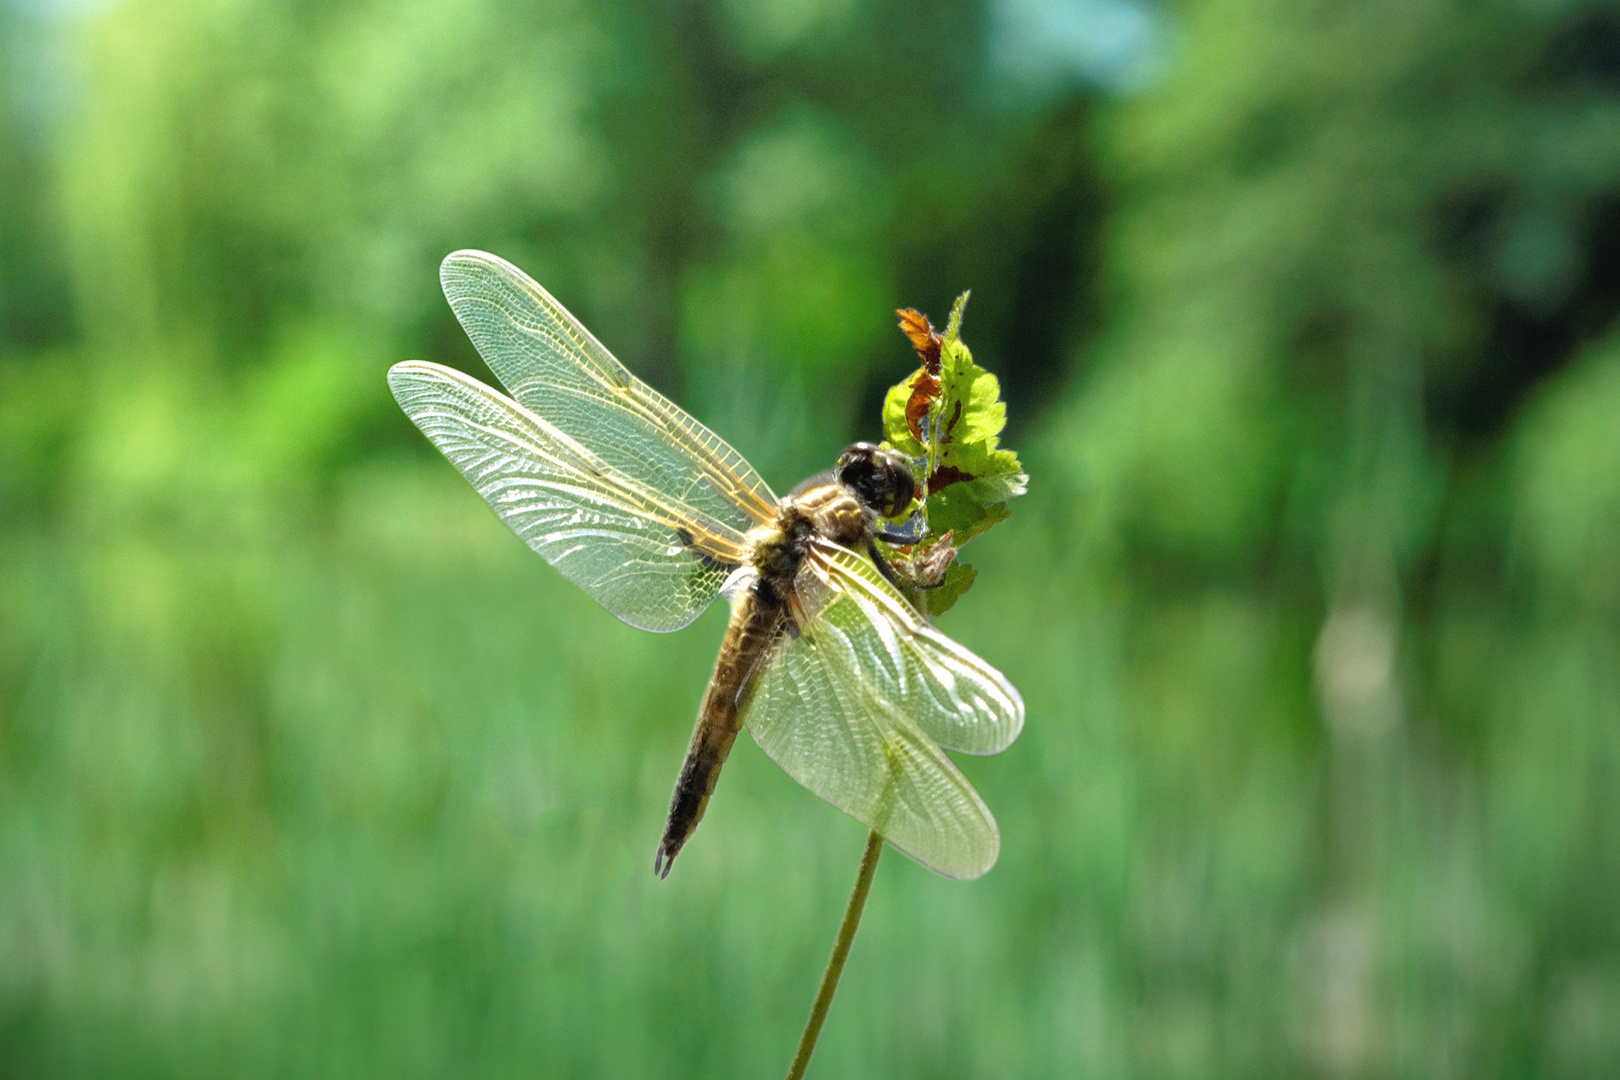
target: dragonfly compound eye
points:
(881, 479)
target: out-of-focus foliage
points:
(1308, 326)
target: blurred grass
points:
(307, 767)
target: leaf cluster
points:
(947, 417)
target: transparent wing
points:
(857, 705)
(651, 558)
(555, 368)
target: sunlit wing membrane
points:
(856, 707)
(957, 699)
(651, 558)
(555, 368)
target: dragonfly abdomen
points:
(763, 613)
(755, 622)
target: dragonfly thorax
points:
(827, 510)
(869, 483)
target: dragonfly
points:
(835, 674)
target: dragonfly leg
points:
(883, 565)
(912, 532)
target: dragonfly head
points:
(881, 479)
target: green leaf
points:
(972, 409)
(953, 325)
(958, 579)
(957, 510)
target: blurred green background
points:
(1307, 313)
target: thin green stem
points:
(840, 953)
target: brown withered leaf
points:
(925, 387)
(924, 566)
(931, 561)
(924, 390)
(915, 325)
(946, 475)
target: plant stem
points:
(840, 953)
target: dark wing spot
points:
(688, 539)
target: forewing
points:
(856, 705)
(555, 368)
(651, 558)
